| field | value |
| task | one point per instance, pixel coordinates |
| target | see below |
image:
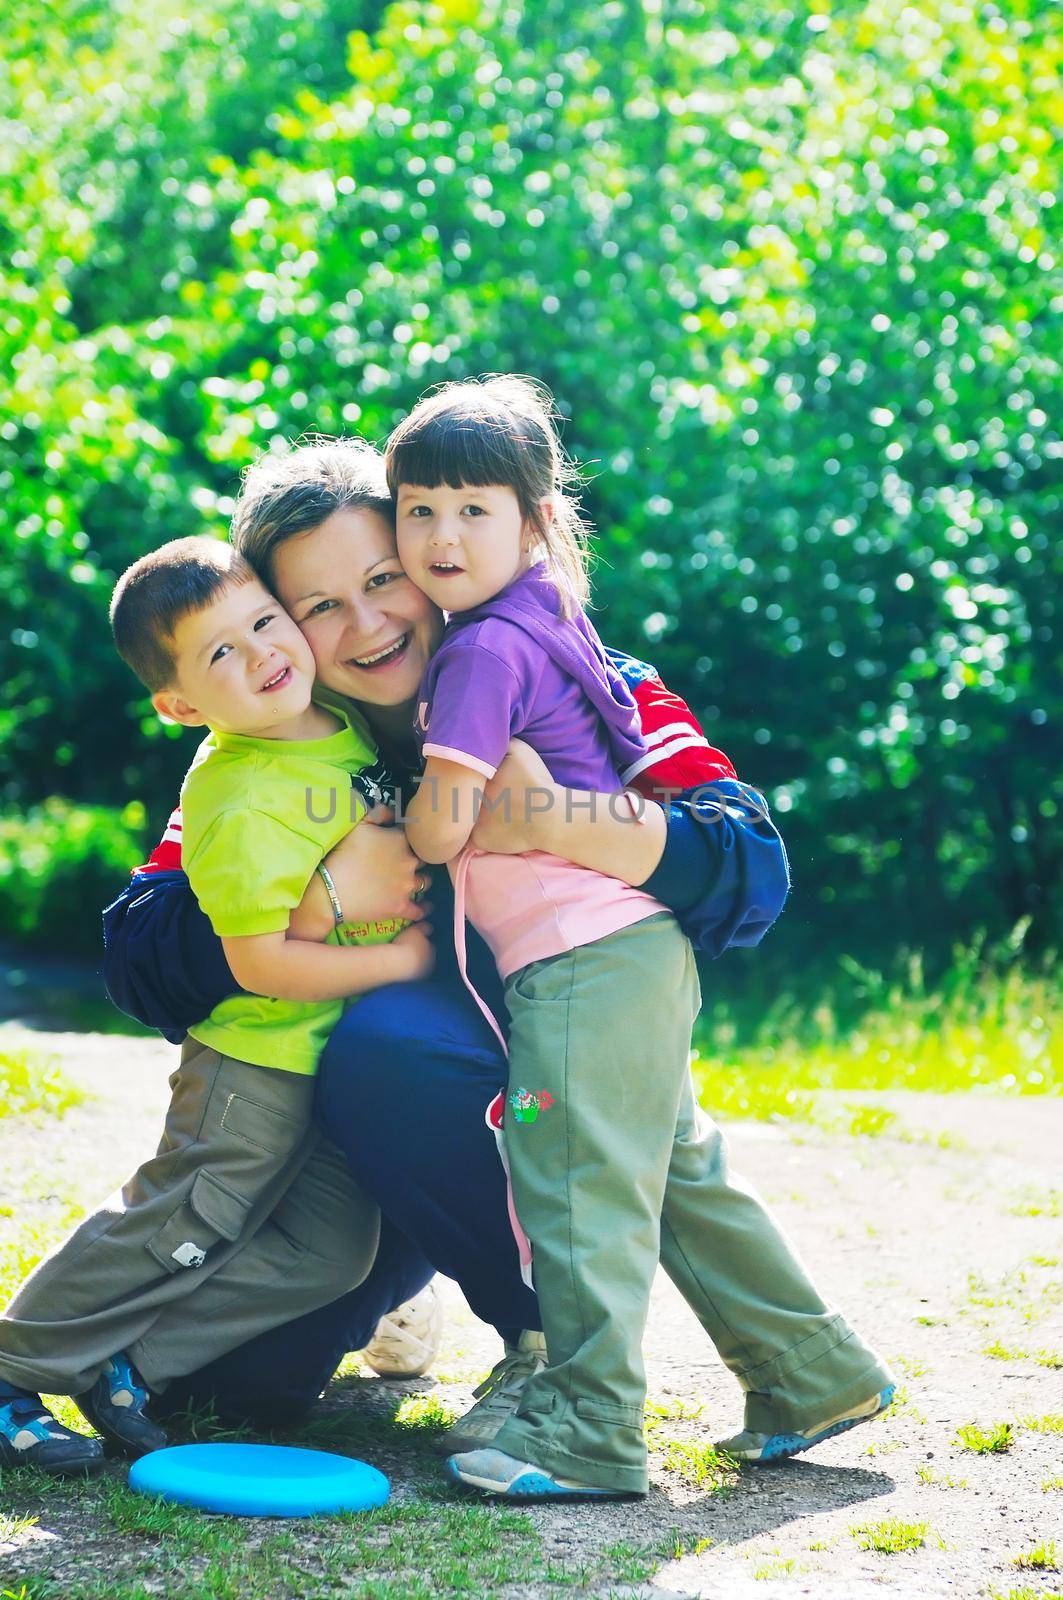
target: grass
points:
(1038, 1203)
(1051, 1423)
(891, 1536)
(1042, 1558)
(778, 1567)
(1044, 1358)
(21, 1253)
(972, 1030)
(1014, 1290)
(939, 1480)
(986, 1441)
(699, 1465)
(32, 1082)
(14, 1527)
(1025, 1593)
(402, 1552)
(678, 1549)
(133, 1548)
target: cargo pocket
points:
(210, 1214)
(612, 1412)
(262, 1126)
(537, 1404)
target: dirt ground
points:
(940, 1238)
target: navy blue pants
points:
(403, 1087)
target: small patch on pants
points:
(188, 1255)
(527, 1103)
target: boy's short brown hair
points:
(152, 596)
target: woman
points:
(407, 1075)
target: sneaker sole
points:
(782, 1446)
(533, 1485)
(85, 1468)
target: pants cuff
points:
(820, 1376)
(527, 1446)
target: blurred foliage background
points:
(789, 268)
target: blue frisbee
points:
(259, 1480)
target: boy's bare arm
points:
(295, 969)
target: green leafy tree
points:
(790, 272)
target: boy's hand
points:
(376, 875)
(418, 951)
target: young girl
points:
(608, 1171)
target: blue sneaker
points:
(31, 1437)
(115, 1407)
(496, 1473)
(764, 1447)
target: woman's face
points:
(371, 629)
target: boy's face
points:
(461, 546)
(241, 665)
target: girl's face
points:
(461, 546)
(371, 630)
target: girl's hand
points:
(376, 875)
(419, 956)
(521, 805)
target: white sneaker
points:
(406, 1341)
(498, 1396)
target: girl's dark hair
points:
(288, 492)
(499, 430)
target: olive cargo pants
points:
(245, 1218)
(617, 1169)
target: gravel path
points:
(941, 1238)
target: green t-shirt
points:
(257, 817)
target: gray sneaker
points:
(497, 1397)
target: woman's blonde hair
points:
(499, 430)
(288, 492)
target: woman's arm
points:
(713, 856)
(524, 809)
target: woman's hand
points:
(520, 804)
(376, 875)
(524, 809)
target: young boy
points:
(276, 784)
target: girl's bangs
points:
(462, 452)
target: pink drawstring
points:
(460, 878)
(495, 1114)
(494, 1118)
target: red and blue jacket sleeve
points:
(724, 871)
(163, 964)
